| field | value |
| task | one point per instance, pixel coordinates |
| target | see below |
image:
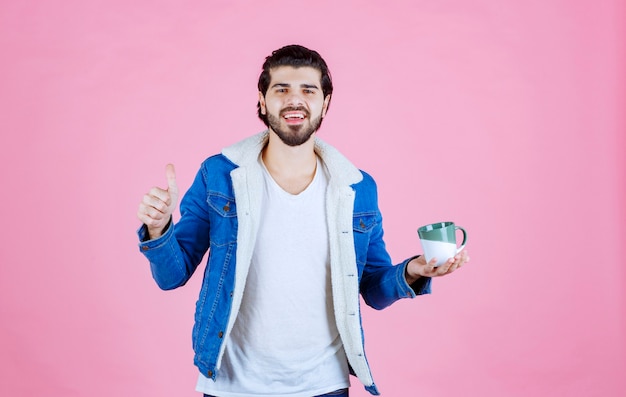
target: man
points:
(294, 235)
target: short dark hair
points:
(296, 56)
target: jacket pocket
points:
(362, 225)
(225, 206)
(223, 218)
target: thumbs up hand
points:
(155, 210)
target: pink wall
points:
(507, 117)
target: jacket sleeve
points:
(382, 283)
(176, 254)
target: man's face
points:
(294, 103)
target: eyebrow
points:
(289, 85)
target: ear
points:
(325, 106)
(262, 103)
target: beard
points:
(293, 135)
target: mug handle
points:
(459, 249)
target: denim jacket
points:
(220, 213)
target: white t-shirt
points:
(285, 341)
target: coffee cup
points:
(439, 241)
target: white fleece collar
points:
(341, 170)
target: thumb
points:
(170, 172)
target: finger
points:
(453, 267)
(150, 201)
(170, 173)
(158, 198)
(444, 269)
(461, 259)
(150, 212)
(458, 261)
(159, 194)
(148, 220)
(430, 267)
(141, 214)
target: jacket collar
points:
(340, 169)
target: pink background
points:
(506, 117)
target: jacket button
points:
(145, 248)
(220, 335)
(210, 373)
(226, 208)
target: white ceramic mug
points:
(439, 241)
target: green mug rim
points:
(434, 226)
(436, 229)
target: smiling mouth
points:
(294, 114)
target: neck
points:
(297, 158)
(292, 167)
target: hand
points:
(419, 268)
(157, 205)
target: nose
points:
(295, 100)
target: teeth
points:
(294, 116)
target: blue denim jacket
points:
(220, 213)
